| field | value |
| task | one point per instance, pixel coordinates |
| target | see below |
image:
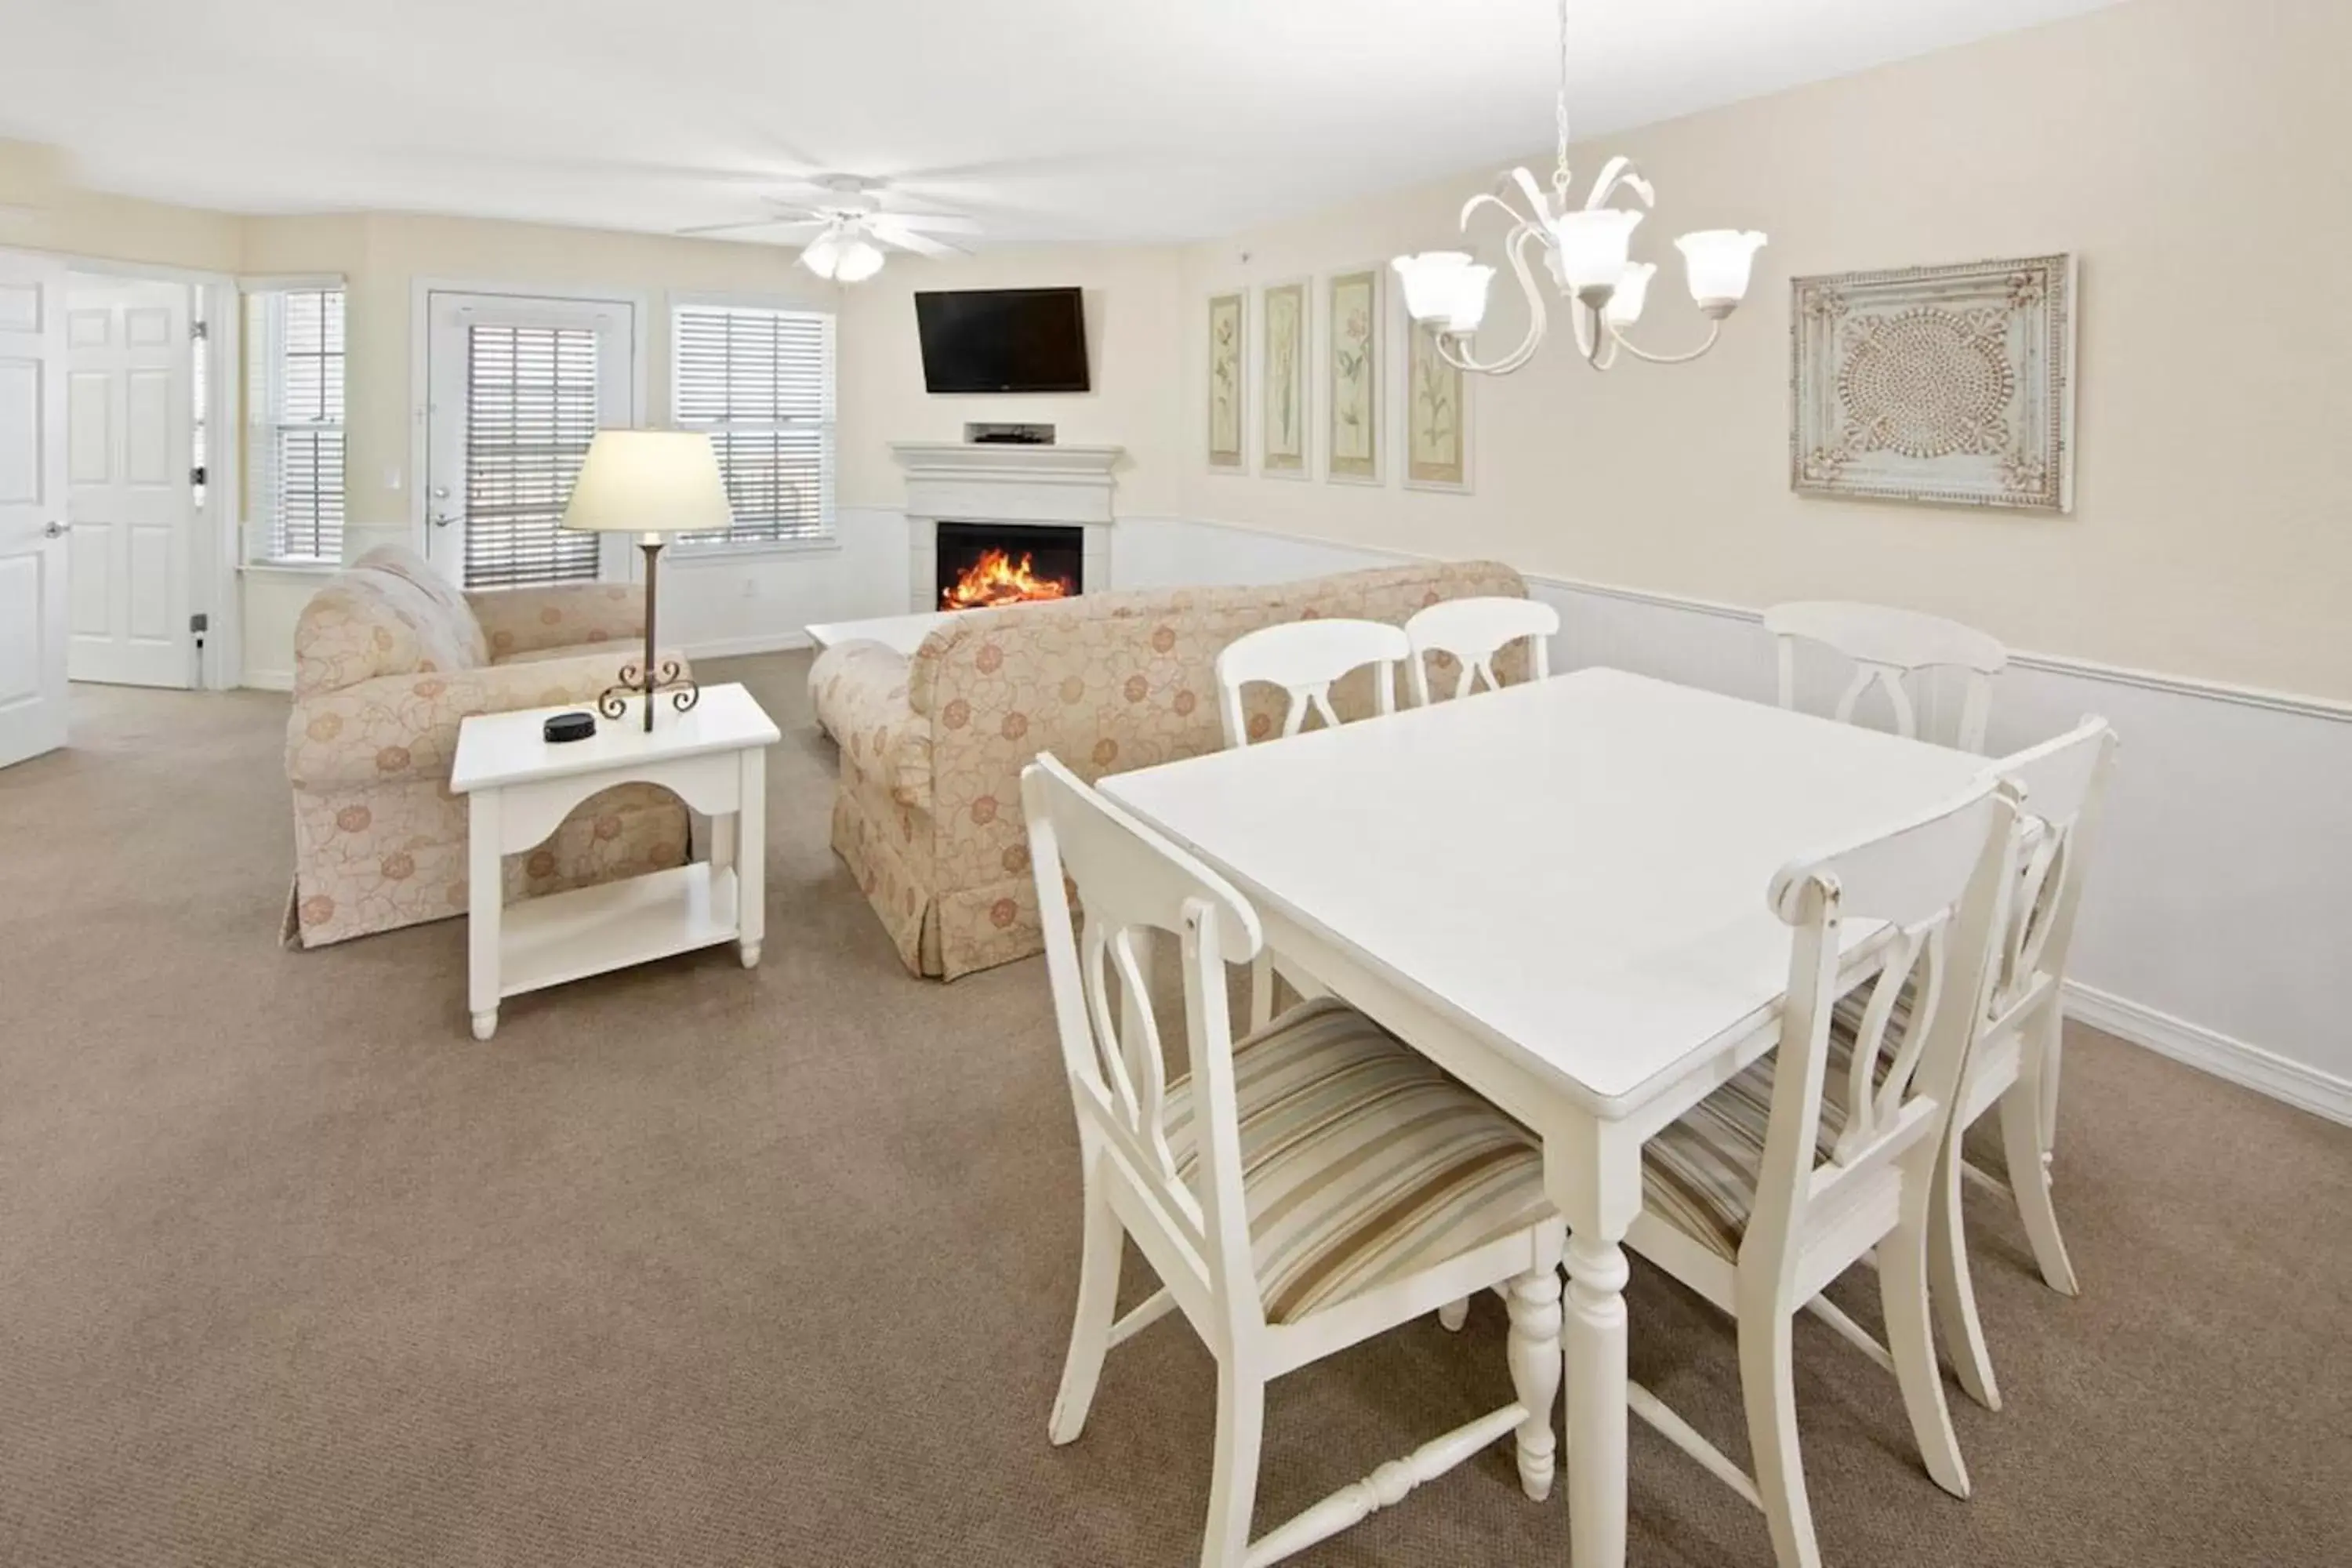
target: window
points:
(531, 413)
(760, 382)
(294, 350)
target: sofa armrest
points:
(523, 620)
(399, 728)
(860, 692)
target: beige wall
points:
(2189, 151)
(1131, 297)
(41, 209)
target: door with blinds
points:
(518, 388)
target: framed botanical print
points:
(1226, 361)
(1282, 370)
(1436, 417)
(1353, 370)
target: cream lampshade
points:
(650, 483)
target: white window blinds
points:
(531, 413)
(294, 466)
(762, 383)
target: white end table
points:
(520, 788)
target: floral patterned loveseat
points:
(388, 656)
(928, 811)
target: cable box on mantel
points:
(1009, 435)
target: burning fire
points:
(994, 579)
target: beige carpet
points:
(692, 1265)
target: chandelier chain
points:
(1560, 178)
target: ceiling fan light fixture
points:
(823, 256)
(859, 259)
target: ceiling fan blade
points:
(890, 232)
(934, 223)
(774, 223)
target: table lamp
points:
(650, 483)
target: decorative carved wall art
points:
(1950, 384)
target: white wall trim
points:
(268, 681)
(2209, 1050)
(2295, 702)
(735, 647)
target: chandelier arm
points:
(1516, 249)
(1620, 171)
(1714, 331)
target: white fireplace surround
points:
(953, 481)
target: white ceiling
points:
(1052, 120)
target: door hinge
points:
(200, 331)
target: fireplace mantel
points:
(1008, 483)
(957, 481)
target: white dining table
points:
(1556, 892)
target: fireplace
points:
(984, 564)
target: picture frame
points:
(1286, 443)
(1949, 385)
(1355, 364)
(1436, 417)
(1228, 397)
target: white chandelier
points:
(1588, 251)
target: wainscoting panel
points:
(2215, 928)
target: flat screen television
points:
(1002, 339)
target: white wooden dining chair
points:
(2013, 1063)
(1792, 1172)
(1887, 647)
(1472, 631)
(1304, 657)
(1300, 1190)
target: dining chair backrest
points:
(1885, 647)
(2064, 783)
(1473, 631)
(1939, 885)
(1130, 880)
(1304, 657)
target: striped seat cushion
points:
(1361, 1162)
(1699, 1174)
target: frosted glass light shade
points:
(1719, 261)
(1469, 305)
(650, 482)
(1593, 244)
(1434, 285)
(860, 259)
(822, 256)
(1625, 306)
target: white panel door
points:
(516, 387)
(129, 398)
(33, 527)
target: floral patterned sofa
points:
(928, 811)
(388, 656)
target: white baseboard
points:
(733, 647)
(268, 681)
(2208, 1050)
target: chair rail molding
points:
(2206, 886)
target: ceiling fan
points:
(845, 227)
